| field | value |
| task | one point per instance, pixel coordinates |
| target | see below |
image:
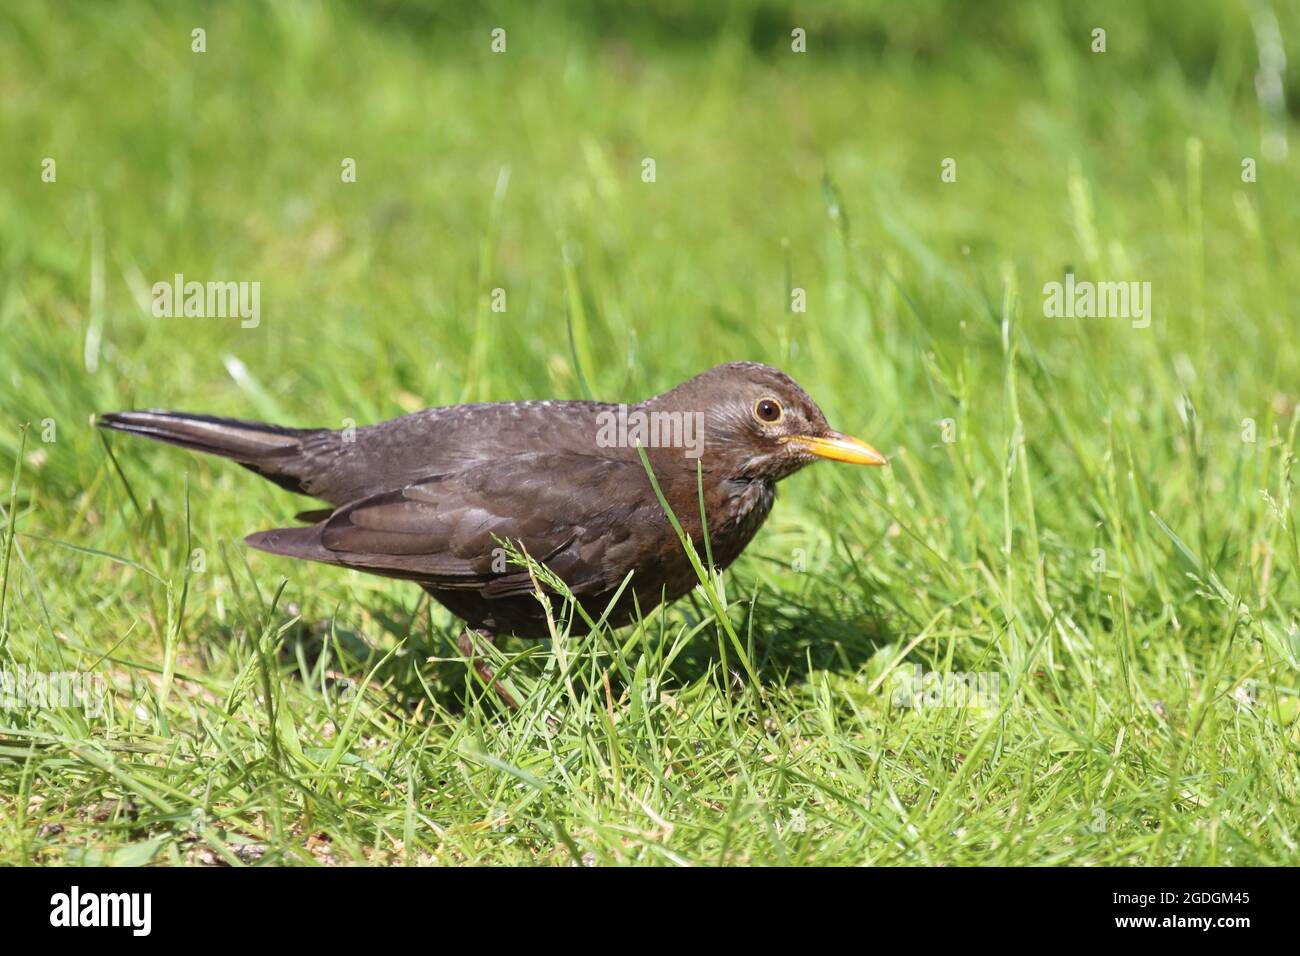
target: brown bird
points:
(431, 496)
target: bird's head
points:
(758, 423)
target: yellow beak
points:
(837, 447)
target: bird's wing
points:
(570, 512)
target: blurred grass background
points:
(1159, 691)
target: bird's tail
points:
(269, 450)
(227, 437)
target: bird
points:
(441, 496)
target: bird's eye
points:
(767, 410)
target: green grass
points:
(1098, 535)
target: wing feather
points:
(446, 531)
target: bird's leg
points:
(465, 644)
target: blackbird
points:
(432, 496)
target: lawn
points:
(1088, 518)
